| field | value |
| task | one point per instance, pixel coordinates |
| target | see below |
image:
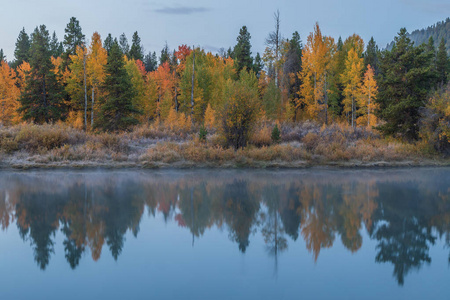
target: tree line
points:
(111, 86)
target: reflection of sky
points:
(215, 24)
(162, 264)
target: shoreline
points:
(189, 165)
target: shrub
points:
(311, 140)
(261, 137)
(240, 110)
(46, 137)
(113, 142)
(276, 138)
(435, 121)
(202, 134)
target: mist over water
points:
(225, 234)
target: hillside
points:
(437, 31)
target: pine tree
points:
(2, 56)
(56, 47)
(123, 43)
(404, 84)
(107, 44)
(442, 64)
(73, 38)
(371, 56)
(136, 51)
(165, 55)
(117, 112)
(242, 51)
(22, 51)
(337, 98)
(150, 62)
(293, 66)
(41, 101)
(258, 65)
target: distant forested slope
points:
(438, 31)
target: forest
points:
(319, 100)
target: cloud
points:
(182, 10)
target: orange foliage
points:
(9, 95)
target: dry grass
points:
(156, 144)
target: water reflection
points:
(403, 212)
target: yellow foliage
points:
(9, 95)
(351, 78)
(172, 119)
(317, 62)
(210, 117)
(366, 101)
(75, 119)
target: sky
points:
(215, 24)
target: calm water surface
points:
(312, 234)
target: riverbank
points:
(157, 146)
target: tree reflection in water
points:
(404, 213)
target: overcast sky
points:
(215, 24)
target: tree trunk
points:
(326, 101)
(193, 81)
(176, 100)
(92, 112)
(368, 111)
(45, 101)
(85, 93)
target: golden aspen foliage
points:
(317, 63)
(95, 68)
(210, 117)
(172, 119)
(165, 105)
(9, 95)
(351, 79)
(23, 70)
(366, 101)
(138, 81)
(75, 80)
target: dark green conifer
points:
(42, 99)
(117, 111)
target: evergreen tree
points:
(150, 62)
(258, 65)
(117, 111)
(165, 54)
(22, 51)
(42, 99)
(442, 64)
(431, 50)
(371, 56)
(293, 65)
(404, 84)
(73, 38)
(2, 56)
(337, 87)
(136, 50)
(242, 51)
(230, 53)
(56, 47)
(123, 43)
(107, 44)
